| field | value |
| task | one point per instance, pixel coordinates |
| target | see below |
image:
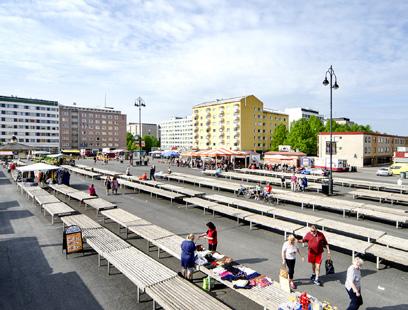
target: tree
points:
(301, 137)
(149, 142)
(279, 136)
(130, 141)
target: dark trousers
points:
(212, 247)
(291, 267)
(355, 301)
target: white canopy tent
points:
(37, 167)
(55, 155)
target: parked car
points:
(384, 172)
(306, 171)
(319, 171)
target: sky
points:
(175, 54)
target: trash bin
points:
(403, 175)
(325, 186)
(325, 189)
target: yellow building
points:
(240, 123)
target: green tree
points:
(301, 137)
(149, 142)
(130, 141)
(279, 136)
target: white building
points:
(147, 129)
(177, 132)
(33, 122)
(298, 113)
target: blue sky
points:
(175, 54)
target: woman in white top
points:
(289, 251)
(353, 284)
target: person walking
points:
(211, 236)
(115, 186)
(353, 284)
(293, 182)
(108, 185)
(316, 242)
(92, 191)
(152, 172)
(289, 251)
(187, 257)
(128, 171)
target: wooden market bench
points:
(57, 209)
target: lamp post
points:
(140, 103)
(331, 74)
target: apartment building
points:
(91, 128)
(298, 113)
(240, 123)
(361, 148)
(177, 132)
(33, 122)
(146, 129)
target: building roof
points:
(286, 153)
(74, 107)
(350, 133)
(274, 111)
(28, 100)
(143, 124)
(15, 147)
(220, 101)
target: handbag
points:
(329, 266)
(284, 279)
(283, 272)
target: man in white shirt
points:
(353, 284)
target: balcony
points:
(195, 129)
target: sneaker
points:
(317, 282)
(293, 286)
(313, 277)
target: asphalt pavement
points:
(37, 275)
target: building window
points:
(334, 148)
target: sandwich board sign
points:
(72, 240)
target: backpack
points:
(329, 266)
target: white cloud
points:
(179, 53)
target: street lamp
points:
(140, 103)
(331, 74)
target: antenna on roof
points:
(106, 107)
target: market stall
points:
(38, 172)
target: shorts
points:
(314, 258)
(212, 247)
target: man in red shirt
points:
(316, 243)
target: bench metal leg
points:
(154, 305)
(99, 260)
(378, 262)
(137, 294)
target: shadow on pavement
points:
(251, 260)
(396, 307)
(5, 182)
(9, 204)
(6, 218)
(28, 282)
